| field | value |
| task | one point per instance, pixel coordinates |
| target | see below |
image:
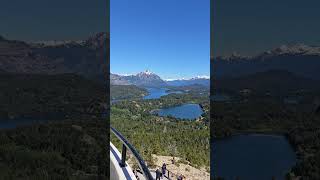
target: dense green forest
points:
(118, 92)
(72, 145)
(49, 96)
(146, 106)
(298, 120)
(57, 150)
(151, 134)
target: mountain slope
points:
(18, 56)
(118, 80)
(300, 59)
(87, 58)
(142, 79)
(188, 82)
(118, 92)
(149, 79)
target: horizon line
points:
(203, 75)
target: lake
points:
(220, 98)
(292, 100)
(252, 157)
(185, 111)
(27, 121)
(14, 123)
(156, 93)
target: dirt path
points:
(190, 173)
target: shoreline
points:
(155, 112)
(266, 133)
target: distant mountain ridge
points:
(288, 49)
(200, 80)
(116, 79)
(145, 79)
(300, 59)
(87, 57)
(150, 79)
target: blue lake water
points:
(292, 100)
(220, 97)
(27, 121)
(186, 111)
(156, 93)
(252, 157)
(14, 123)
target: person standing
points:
(164, 169)
(158, 174)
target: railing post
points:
(127, 146)
(123, 156)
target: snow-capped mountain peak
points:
(292, 49)
(286, 49)
(146, 79)
(53, 43)
(176, 79)
(300, 59)
(146, 73)
(234, 56)
(95, 41)
(187, 79)
(201, 77)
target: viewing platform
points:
(121, 170)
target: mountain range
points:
(144, 79)
(150, 79)
(89, 58)
(301, 59)
(200, 80)
(86, 57)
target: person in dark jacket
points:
(158, 174)
(164, 169)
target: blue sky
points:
(35, 20)
(252, 26)
(168, 37)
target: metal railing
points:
(127, 146)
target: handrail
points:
(126, 145)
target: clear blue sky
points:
(35, 20)
(252, 26)
(168, 37)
